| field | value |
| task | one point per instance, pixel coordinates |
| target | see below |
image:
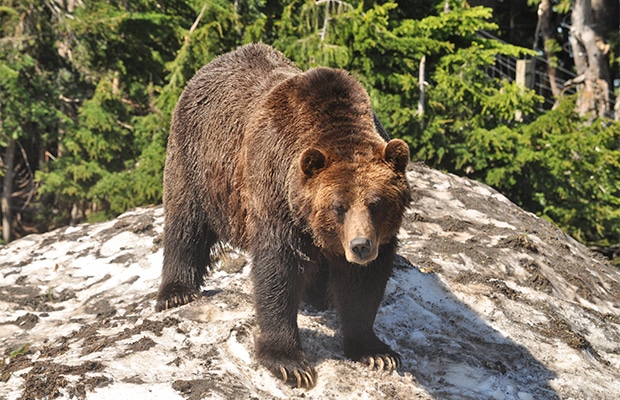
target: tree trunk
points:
(545, 30)
(421, 86)
(588, 54)
(7, 190)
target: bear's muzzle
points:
(360, 241)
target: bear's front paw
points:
(382, 362)
(300, 375)
(296, 372)
(172, 296)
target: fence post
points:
(525, 73)
(524, 77)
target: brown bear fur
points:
(293, 168)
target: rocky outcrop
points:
(487, 302)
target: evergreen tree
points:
(31, 78)
(88, 89)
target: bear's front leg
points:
(277, 291)
(357, 291)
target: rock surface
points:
(487, 302)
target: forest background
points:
(87, 89)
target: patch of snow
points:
(478, 315)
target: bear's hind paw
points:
(174, 297)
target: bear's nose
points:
(361, 247)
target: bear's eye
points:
(339, 209)
(375, 205)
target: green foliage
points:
(18, 95)
(559, 6)
(95, 90)
(572, 170)
(28, 82)
(463, 102)
(23, 349)
(553, 48)
(137, 186)
(558, 167)
(135, 58)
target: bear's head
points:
(352, 206)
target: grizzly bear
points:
(291, 167)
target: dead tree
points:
(544, 31)
(589, 53)
(7, 190)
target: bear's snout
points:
(361, 246)
(360, 241)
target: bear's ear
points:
(397, 153)
(312, 161)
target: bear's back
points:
(207, 128)
(213, 111)
(232, 83)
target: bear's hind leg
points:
(315, 288)
(357, 292)
(187, 248)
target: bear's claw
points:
(299, 378)
(382, 362)
(172, 299)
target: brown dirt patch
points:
(46, 379)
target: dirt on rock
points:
(486, 301)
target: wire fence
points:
(506, 68)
